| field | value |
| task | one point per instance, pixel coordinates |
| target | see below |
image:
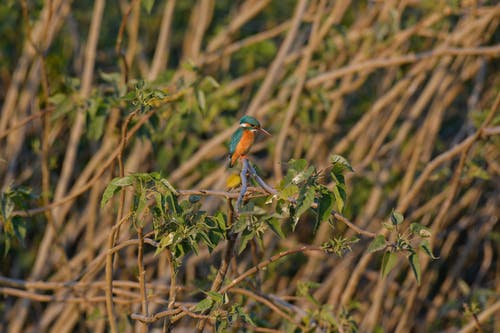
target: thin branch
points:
(172, 290)
(244, 183)
(142, 274)
(267, 262)
(269, 189)
(491, 51)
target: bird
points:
(243, 138)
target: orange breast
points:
(245, 143)
(243, 146)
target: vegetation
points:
(373, 207)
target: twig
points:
(172, 290)
(492, 51)
(264, 300)
(244, 183)
(482, 317)
(267, 262)
(351, 225)
(119, 39)
(269, 189)
(142, 273)
(156, 317)
(251, 191)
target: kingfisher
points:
(242, 140)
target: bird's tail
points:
(230, 163)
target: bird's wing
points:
(235, 139)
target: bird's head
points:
(252, 124)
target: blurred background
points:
(407, 91)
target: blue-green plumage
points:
(235, 139)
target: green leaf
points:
(113, 187)
(275, 226)
(476, 171)
(122, 181)
(388, 262)
(19, 225)
(289, 191)
(139, 204)
(305, 201)
(148, 5)
(325, 207)
(203, 305)
(377, 244)
(388, 226)
(303, 176)
(425, 245)
(215, 296)
(340, 196)
(297, 165)
(208, 84)
(420, 230)
(246, 236)
(396, 218)
(340, 164)
(415, 266)
(202, 102)
(169, 186)
(243, 315)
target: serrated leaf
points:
(425, 245)
(203, 305)
(377, 244)
(396, 218)
(388, 262)
(415, 266)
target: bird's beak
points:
(264, 131)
